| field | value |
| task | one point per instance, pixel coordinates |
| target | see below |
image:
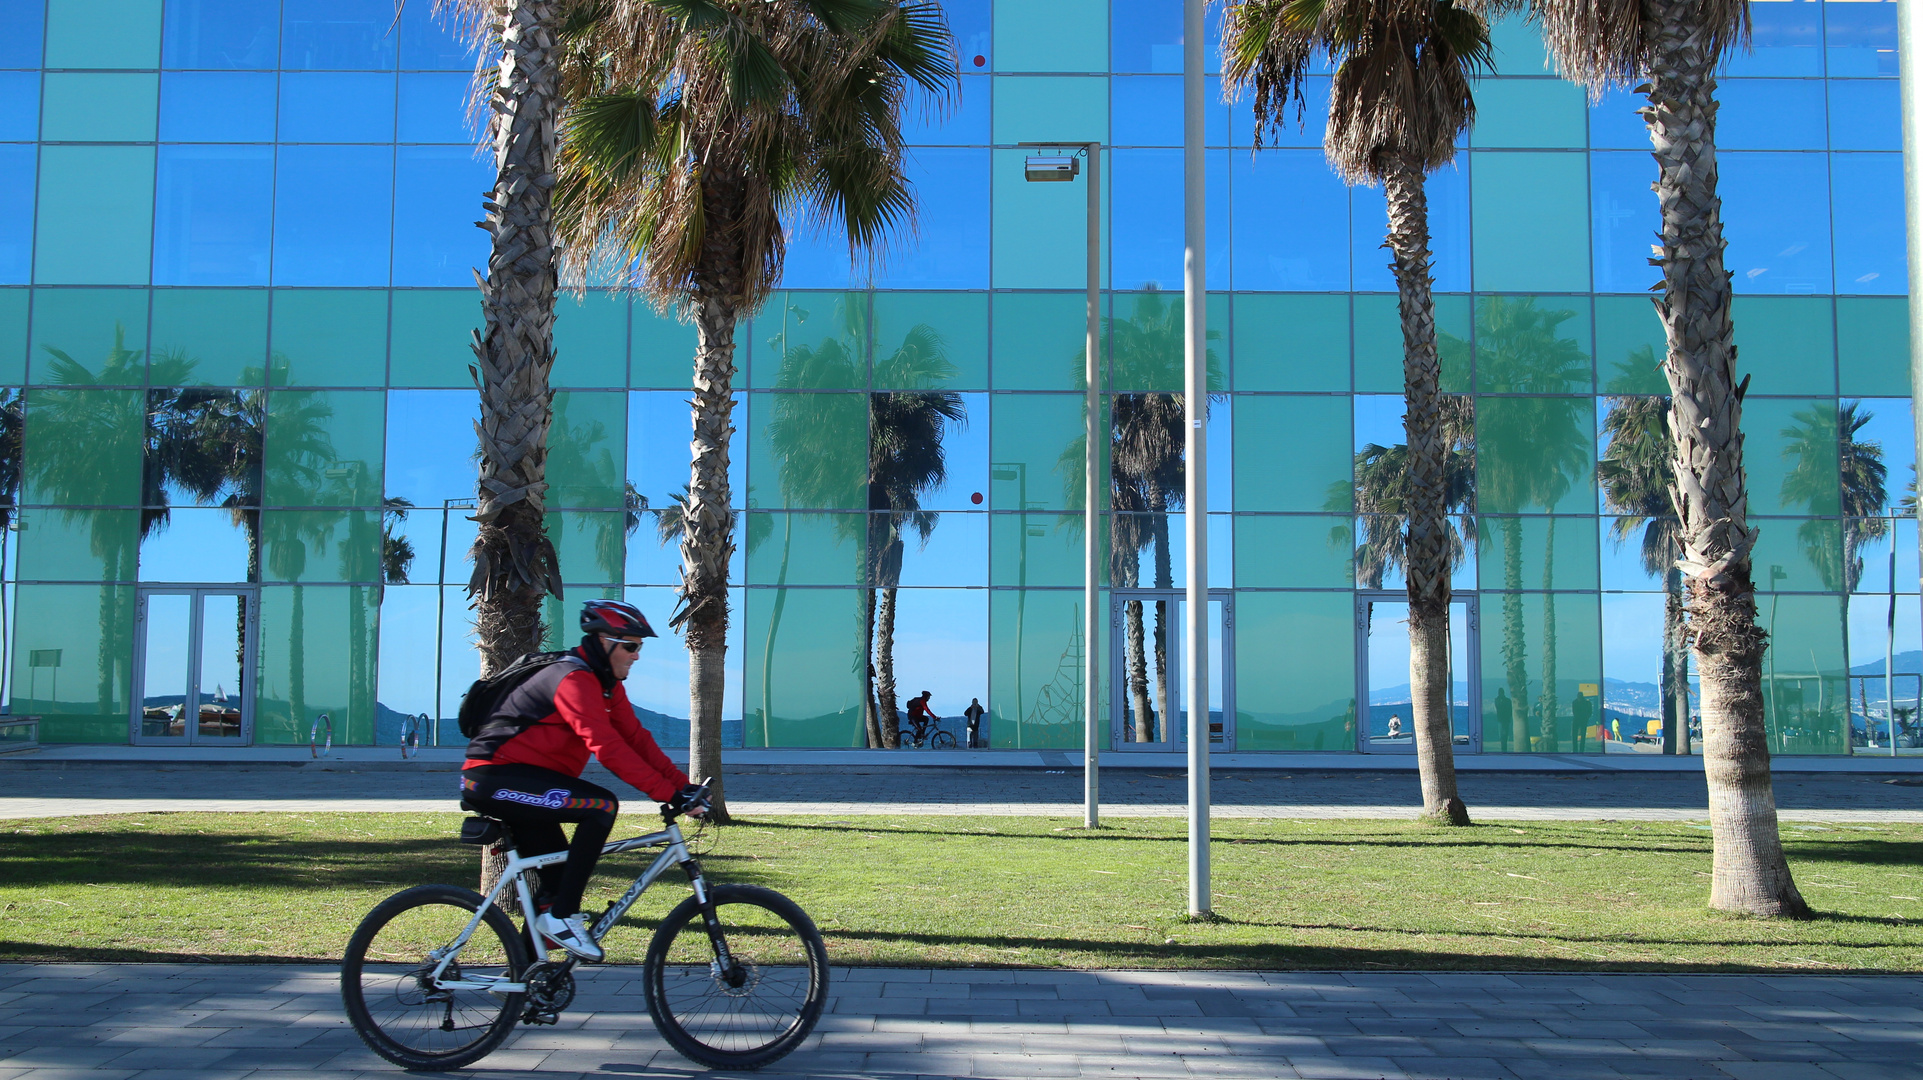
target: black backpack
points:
(483, 698)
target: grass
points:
(1357, 895)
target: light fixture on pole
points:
(1061, 168)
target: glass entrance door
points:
(1149, 688)
(1382, 673)
(192, 676)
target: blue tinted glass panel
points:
(966, 123)
(817, 258)
(1860, 37)
(1145, 110)
(433, 108)
(336, 107)
(430, 42)
(1146, 35)
(1785, 39)
(1868, 216)
(1303, 127)
(1865, 114)
(950, 249)
(437, 199)
(1448, 233)
(1770, 114)
(332, 206)
(217, 106)
(1614, 124)
(16, 215)
(25, 21)
(1146, 236)
(221, 34)
(1624, 218)
(337, 35)
(213, 215)
(1776, 219)
(19, 106)
(1291, 223)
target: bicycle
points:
(927, 734)
(436, 976)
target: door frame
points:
(1471, 679)
(190, 707)
(1118, 663)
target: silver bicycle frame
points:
(675, 854)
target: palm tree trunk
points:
(1514, 652)
(1675, 667)
(870, 710)
(1750, 873)
(1427, 548)
(885, 669)
(1164, 579)
(1138, 674)
(1549, 641)
(708, 541)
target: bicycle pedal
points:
(540, 1016)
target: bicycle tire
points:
(771, 937)
(941, 740)
(394, 1014)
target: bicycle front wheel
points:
(942, 740)
(757, 1010)
(395, 1007)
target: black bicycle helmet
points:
(615, 618)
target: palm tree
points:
(1669, 50)
(1380, 489)
(1638, 483)
(12, 413)
(1400, 98)
(693, 142)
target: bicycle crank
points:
(550, 989)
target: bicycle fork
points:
(723, 965)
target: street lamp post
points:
(1058, 168)
(1195, 400)
(440, 613)
(1909, 53)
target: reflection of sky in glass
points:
(1632, 637)
(169, 636)
(198, 544)
(941, 644)
(430, 445)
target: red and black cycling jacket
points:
(572, 712)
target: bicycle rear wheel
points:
(397, 1012)
(759, 1012)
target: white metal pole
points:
(1889, 646)
(1092, 487)
(1909, 53)
(1195, 398)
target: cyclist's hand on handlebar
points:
(691, 801)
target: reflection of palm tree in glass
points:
(303, 455)
(12, 413)
(1545, 446)
(1380, 490)
(579, 453)
(1638, 482)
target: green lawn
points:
(1012, 892)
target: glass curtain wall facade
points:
(235, 299)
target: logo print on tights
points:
(554, 799)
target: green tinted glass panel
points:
(103, 33)
(1028, 109)
(1036, 550)
(1536, 552)
(801, 684)
(590, 546)
(586, 444)
(13, 335)
(809, 451)
(330, 337)
(1873, 346)
(1536, 455)
(1797, 555)
(1805, 686)
(324, 447)
(1146, 340)
(95, 215)
(78, 545)
(591, 340)
(1517, 44)
(1530, 214)
(1035, 451)
(1307, 551)
(1529, 639)
(1294, 671)
(1293, 342)
(1039, 340)
(1532, 345)
(661, 348)
(1378, 344)
(1785, 344)
(209, 337)
(82, 447)
(320, 545)
(318, 655)
(560, 616)
(1293, 453)
(1529, 113)
(1039, 231)
(812, 341)
(99, 106)
(73, 650)
(931, 340)
(1064, 36)
(1629, 346)
(89, 336)
(432, 337)
(1790, 456)
(805, 549)
(1035, 650)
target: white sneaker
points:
(571, 934)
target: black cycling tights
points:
(535, 802)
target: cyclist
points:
(920, 715)
(524, 767)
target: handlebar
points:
(668, 810)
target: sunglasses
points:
(623, 643)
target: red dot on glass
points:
(976, 498)
(981, 61)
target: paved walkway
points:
(53, 789)
(228, 1022)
